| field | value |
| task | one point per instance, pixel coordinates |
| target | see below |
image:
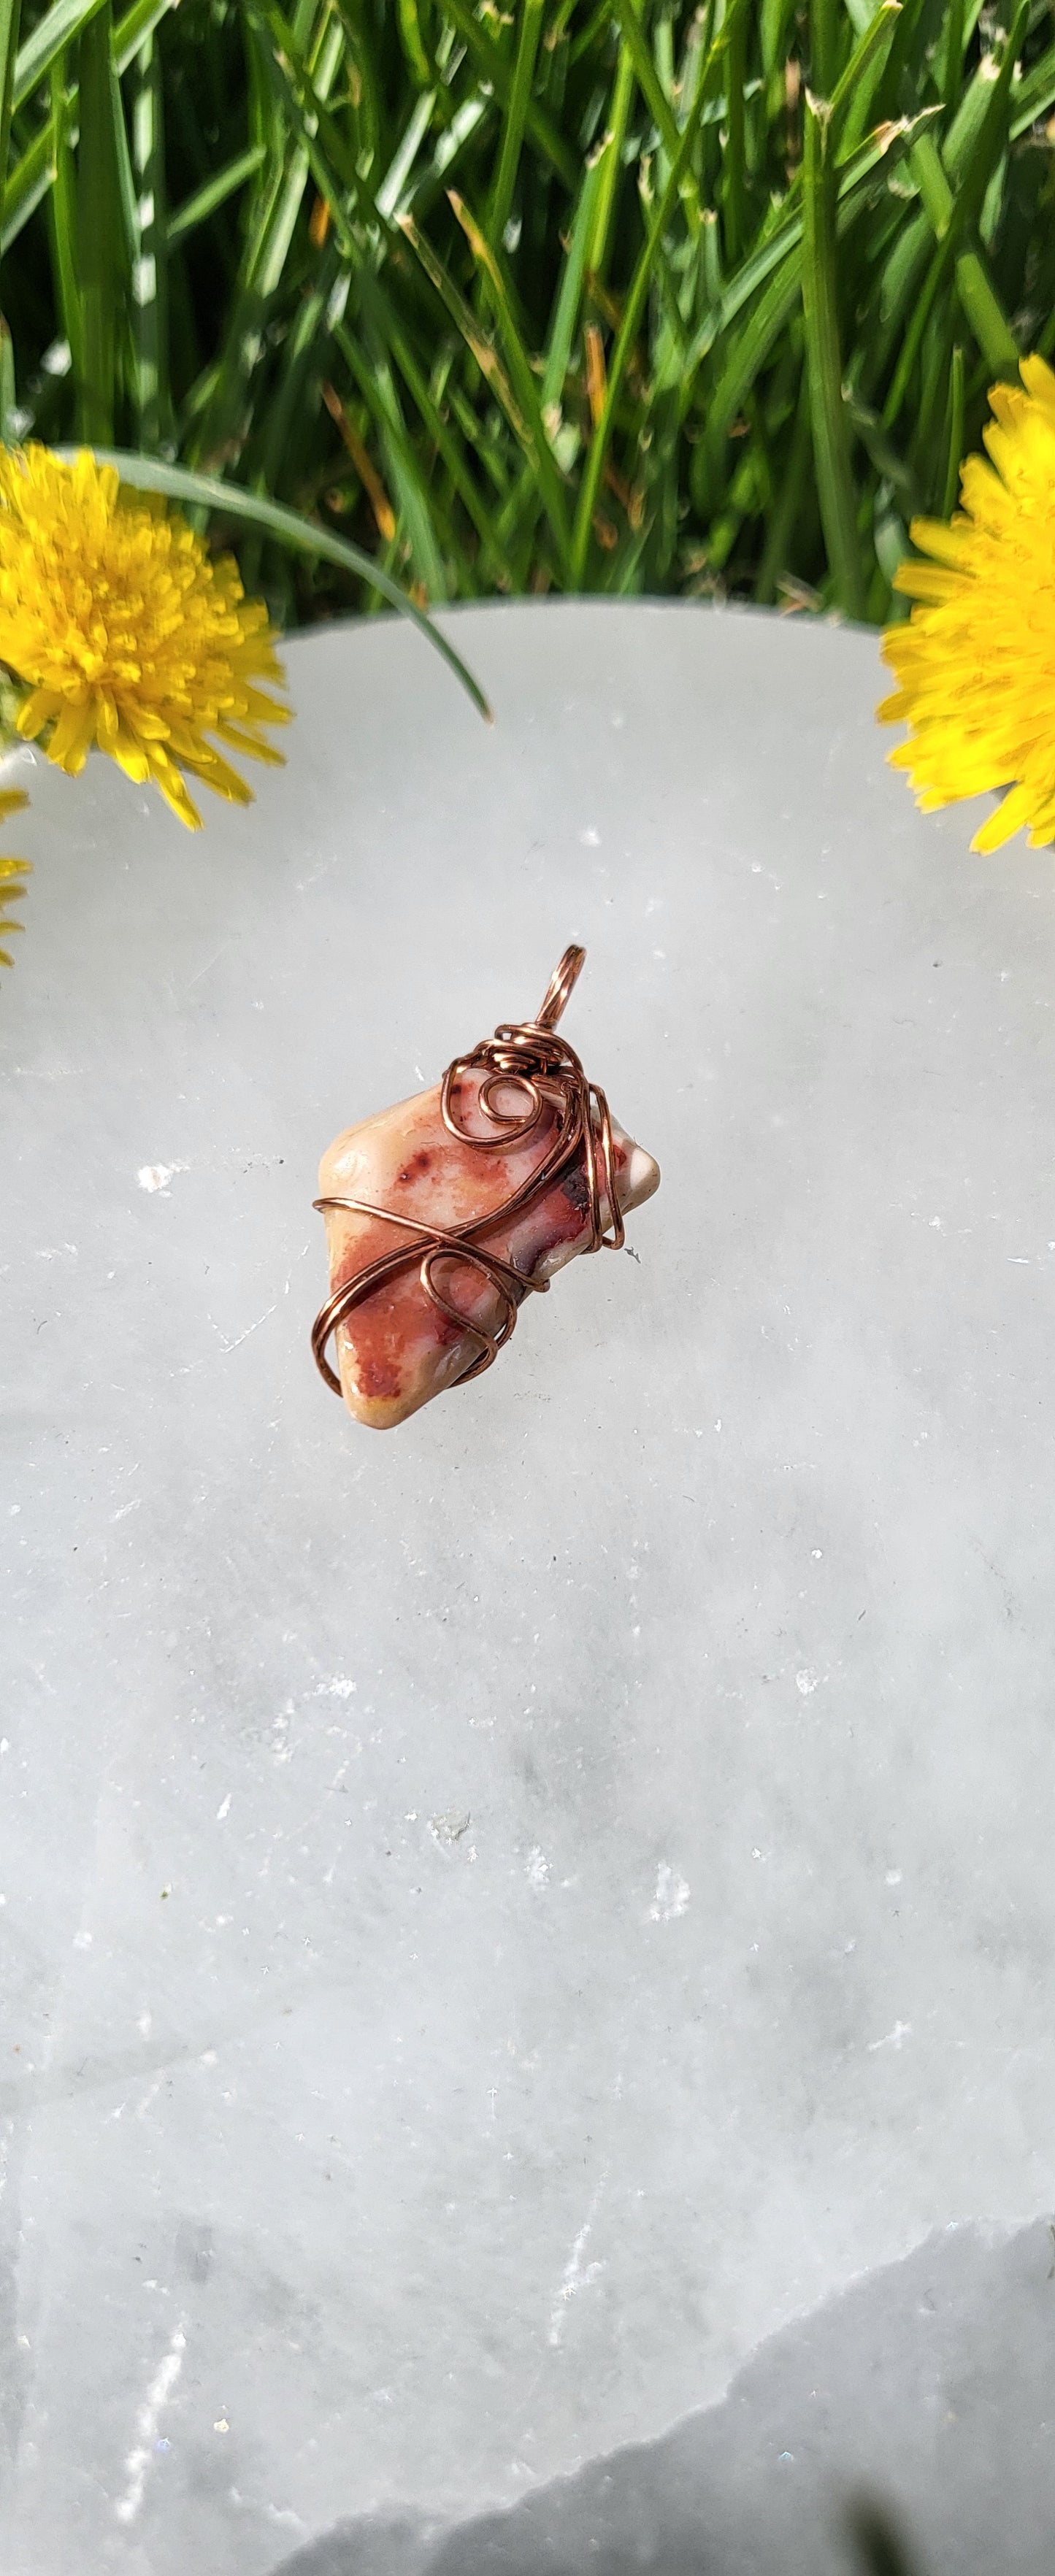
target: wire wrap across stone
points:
(529, 1059)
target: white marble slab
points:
(503, 1918)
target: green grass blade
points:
(100, 238)
(10, 14)
(445, 444)
(373, 375)
(487, 358)
(952, 61)
(856, 86)
(131, 31)
(392, 191)
(880, 448)
(32, 175)
(297, 75)
(62, 212)
(59, 28)
(126, 187)
(632, 310)
(972, 166)
(964, 128)
(278, 457)
(521, 377)
(414, 50)
(501, 198)
(779, 534)
(488, 57)
(208, 199)
(825, 34)
(29, 183)
(222, 428)
(982, 308)
(904, 75)
(831, 437)
(886, 145)
(470, 124)
(773, 29)
(204, 492)
(646, 76)
(622, 93)
(569, 300)
(149, 282)
(1034, 95)
(734, 184)
(953, 213)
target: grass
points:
(531, 295)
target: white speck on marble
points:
(672, 1895)
(536, 1868)
(156, 1176)
(893, 2038)
(147, 2426)
(224, 1808)
(449, 1828)
(576, 2275)
(805, 1682)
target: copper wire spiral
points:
(529, 1057)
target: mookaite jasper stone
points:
(396, 1350)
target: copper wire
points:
(526, 1057)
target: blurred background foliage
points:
(534, 295)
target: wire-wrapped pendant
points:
(444, 1213)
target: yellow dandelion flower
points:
(12, 800)
(975, 662)
(126, 634)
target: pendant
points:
(445, 1213)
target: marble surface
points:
(527, 1939)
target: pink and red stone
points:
(396, 1350)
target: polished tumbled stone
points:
(400, 1181)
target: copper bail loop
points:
(560, 987)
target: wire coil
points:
(529, 1059)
